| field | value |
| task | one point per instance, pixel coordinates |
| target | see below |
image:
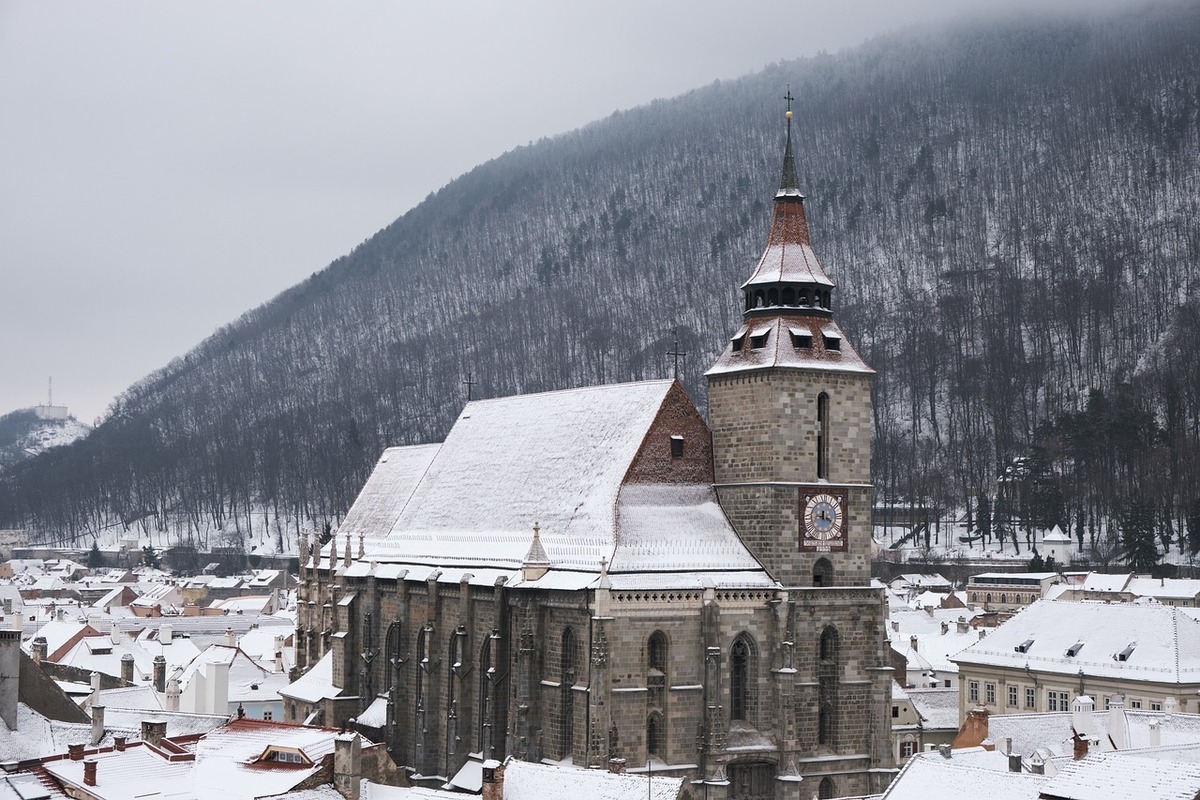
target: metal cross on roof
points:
(469, 383)
(675, 353)
(788, 96)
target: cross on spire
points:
(469, 383)
(676, 353)
(788, 96)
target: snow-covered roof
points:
(938, 708)
(387, 490)
(930, 774)
(559, 459)
(527, 781)
(1165, 588)
(780, 349)
(314, 685)
(1056, 536)
(1102, 582)
(789, 256)
(1106, 775)
(1119, 640)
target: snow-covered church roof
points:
(563, 460)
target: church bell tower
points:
(790, 411)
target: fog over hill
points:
(1010, 212)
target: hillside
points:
(1010, 212)
(24, 434)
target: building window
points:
(1057, 701)
(973, 691)
(1135, 703)
(740, 675)
(823, 435)
(895, 712)
(758, 342)
(676, 447)
(822, 572)
(825, 789)
(801, 341)
(907, 749)
(989, 690)
(1012, 696)
(656, 670)
(833, 343)
(268, 714)
(737, 343)
(1030, 697)
(567, 702)
(1155, 706)
(655, 736)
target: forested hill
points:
(1010, 212)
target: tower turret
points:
(790, 413)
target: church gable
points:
(677, 448)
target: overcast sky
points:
(166, 166)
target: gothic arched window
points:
(825, 789)
(656, 736)
(823, 572)
(486, 676)
(741, 677)
(656, 670)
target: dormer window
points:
(801, 339)
(284, 755)
(676, 447)
(1074, 649)
(832, 341)
(737, 342)
(1024, 646)
(758, 338)
(1126, 653)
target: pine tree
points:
(1079, 527)
(150, 557)
(95, 557)
(1036, 564)
(1137, 536)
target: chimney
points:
(347, 764)
(10, 676)
(160, 673)
(1008, 745)
(896, 625)
(989, 745)
(165, 634)
(493, 780)
(1080, 746)
(75, 752)
(230, 637)
(114, 632)
(94, 698)
(153, 731)
(89, 772)
(1014, 762)
(1118, 729)
(119, 743)
(963, 627)
(127, 668)
(1081, 716)
(616, 766)
(912, 643)
(37, 650)
(97, 724)
(1155, 734)
(173, 693)
(216, 687)
(944, 749)
(982, 632)
(945, 627)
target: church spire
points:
(789, 187)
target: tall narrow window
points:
(486, 676)
(741, 672)
(828, 677)
(656, 736)
(825, 789)
(656, 670)
(567, 705)
(823, 435)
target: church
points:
(598, 576)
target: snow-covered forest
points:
(1010, 212)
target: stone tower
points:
(790, 411)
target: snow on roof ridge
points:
(570, 390)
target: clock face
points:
(823, 517)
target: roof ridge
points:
(590, 388)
